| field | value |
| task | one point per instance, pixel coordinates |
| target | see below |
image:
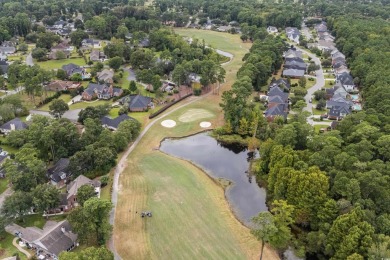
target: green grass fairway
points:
(57, 64)
(191, 217)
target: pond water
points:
(245, 197)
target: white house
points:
(272, 29)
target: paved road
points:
(70, 114)
(29, 60)
(11, 92)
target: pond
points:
(231, 162)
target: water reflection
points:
(223, 161)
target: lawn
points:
(64, 97)
(6, 247)
(318, 127)
(37, 220)
(329, 83)
(57, 64)
(84, 104)
(318, 112)
(3, 185)
(191, 217)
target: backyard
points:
(57, 64)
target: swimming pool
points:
(357, 107)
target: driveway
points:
(75, 100)
(72, 115)
(29, 60)
(132, 75)
(11, 92)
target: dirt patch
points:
(195, 114)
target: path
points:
(29, 60)
(8, 192)
(11, 92)
(14, 242)
(72, 115)
(120, 166)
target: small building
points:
(91, 43)
(59, 174)
(293, 73)
(346, 81)
(48, 242)
(137, 103)
(74, 186)
(292, 53)
(97, 55)
(7, 50)
(13, 125)
(72, 69)
(100, 91)
(339, 112)
(275, 111)
(144, 43)
(105, 76)
(113, 123)
(293, 34)
(295, 63)
(272, 29)
(62, 85)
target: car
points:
(310, 100)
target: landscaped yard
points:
(7, 249)
(3, 185)
(318, 112)
(65, 97)
(329, 83)
(191, 217)
(318, 127)
(84, 104)
(57, 64)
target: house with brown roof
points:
(73, 187)
(62, 85)
(97, 55)
(48, 242)
(100, 91)
(105, 76)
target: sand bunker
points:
(205, 124)
(168, 123)
(195, 114)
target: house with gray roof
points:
(48, 242)
(295, 64)
(97, 55)
(293, 34)
(293, 73)
(13, 125)
(272, 29)
(282, 83)
(275, 111)
(137, 103)
(59, 174)
(91, 43)
(105, 76)
(346, 81)
(7, 50)
(100, 91)
(113, 123)
(339, 112)
(75, 185)
(292, 53)
(277, 91)
(72, 68)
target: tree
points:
(156, 82)
(76, 77)
(58, 107)
(321, 105)
(45, 197)
(61, 74)
(16, 205)
(77, 37)
(23, 47)
(115, 63)
(302, 82)
(312, 67)
(133, 86)
(39, 54)
(60, 55)
(383, 145)
(265, 229)
(300, 105)
(282, 219)
(88, 253)
(90, 222)
(84, 193)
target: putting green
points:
(195, 114)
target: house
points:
(275, 100)
(53, 54)
(113, 123)
(97, 55)
(7, 50)
(59, 174)
(59, 24)
(342, 69)
(339, 112)
(62, 85)
(338, 60)
(295, 63)
(144, 43)
(272, 29)
(282, 83)
(346, 81)
(3, 57)
(13, 125)
(63, 46)
(74, 186)
(293, 34)
(100, 91)
(292, 53)
(48, 242)
(321, 27)
(105, 76)
(277, 91)
(224, 28)
(275, 111)
(72, 69)
(293, 73)
(336, 53)
(3, 67)
(91, 43)
(137, 103)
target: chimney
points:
(63, 229)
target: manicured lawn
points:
(6, 245)
(65, 97)
(114, 112)
(57, 64)
(318, 112)
(37, 220)
(329, 83)
(84, 104)
(191, 217)
(310, 83)
(3, 185)
(318, 127)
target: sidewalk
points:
(20, 248)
